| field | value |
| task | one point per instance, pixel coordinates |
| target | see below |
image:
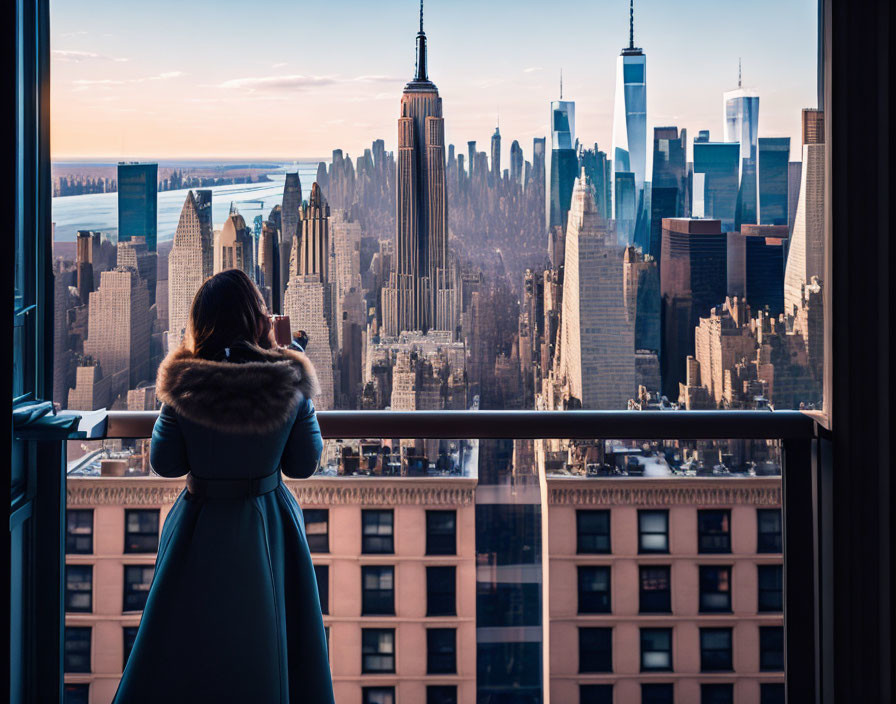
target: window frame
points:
(728, 664)
(433, 595)
(704, 536)
(646, 512)
(365, 670)
(702, 580)
(596, 595)
(314, 538)
(87, 652)
(71, 537)
(128, 587)
(370, 597)
(605, 652)
(777, 543)
(667, 592)
(432, 537)
(581, 547)
(152, 537)
(666, 631)
(433, 666)
(367, 538)
(762, 606)
(69, 592)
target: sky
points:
(291, 79)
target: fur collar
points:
(252, 397)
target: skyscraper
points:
(138, 202)
(189, 262)
(564, 161)
(740, 116)
(289, 219)
(716, 179)
(86, 241)
(516, 163)
(420, 295)
(471, 156)
(774, 155)
(233, 248)
(669, 184)
(630, 125)
(496, 154)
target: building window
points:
(441, 532)
(771, 588)
(441, 694)
(378, 695)
(79, 588)
(658, 693)
(771, 693)
(317, 529)
(77, 649)
(322, 574)
(377, 650)
(653, 531)
(377, 531)
(441, 646)
(595, 694)
(378, 590)
(715, 589)
(594, 590)
(141, 530)
(129, 635)
(593, 531)
(595, 650)
(79, 531)
(717, 693)
(768, 524)
(656, 590)
(656, 649)
(715, 650)
(76, 693)
(137, 580)
(771, 648)
(440, 589)
(714, 531)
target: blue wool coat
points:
(233, 614)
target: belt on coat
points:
(232, 488)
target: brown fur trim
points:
(253, 397)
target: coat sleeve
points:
(301, 454)
(168, 452)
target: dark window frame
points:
(643, 635)
(439, 659)
(378, 601)
(82, 652)
(322, 577)
(770, 600)
(596, 601)
(367, 651)
(771, 648)
(133, 594)
(136, 540)
(645, 513)
(72, 538)
(366, 693)
(710, 541)
(595, 657)
(591, 542)
(598, 693)
(439, 540)
(705, 595)
(437, 600)
(128, 637)
(370, 540)
(769, 542)
(726, 659)
(315, 539)
(70, 593)
(662, 597)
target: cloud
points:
(87, 82)
(297, 82)
(70, 55)
(532, 69)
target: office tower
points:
(119, 328)
(345, 234)
(269, 265)
(774, 156)
(756, 266)
(138, 202)
(630, 129)
(471, 156)
(289, 223)
(805, 257)
(233, 247)
(189, 262)
(624, 197)
(420, 294)
(794, 174)
(597, 336)
(496, 154)
(86, 241)
(538, 160)
(516, 163)
(597, 168)
(564, 162)
(669, 196)
(642, 301)
(451, 156)
(716, 179)
(693, 279)
(135, 254)
(314, 244)
(740, 115)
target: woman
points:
(233, 614)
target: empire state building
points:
(420, 293)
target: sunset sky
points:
(288, 80)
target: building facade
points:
(138, 186)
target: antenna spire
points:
(738, 72)
(561, 84)
(631, 24)
(420, 73)
(421, 15)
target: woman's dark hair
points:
(228, 319)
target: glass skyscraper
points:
(716, 178)
(138, 186)
(669, 196)
(774, 164)
(564, 161)
(741, 120)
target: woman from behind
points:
(233, 614)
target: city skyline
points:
(145, 88)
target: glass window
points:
(377, 650)
(77, 649)
(440, 591)
(771, 693)
(322, 574)
(594, 590)
(137, 581)
(768, 525)
(657, 693)
(377, 532)
(715, 649)
(593, 531)
(634, 73)
(79, 531)
(595, 650)
(595, 694)
(377, 590)
(78, 588)
(655, 589)
(771, 587)
(508, 604)
(715, 589)
(714, 531)
(129, 635)
(771, 648)
(141, 530)
(656, 649)
(441, 651)
(717, 693)
(441, 694)
(317, 529)
(441, 529)
(653, 531)
(76, 693)
(378, 695)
